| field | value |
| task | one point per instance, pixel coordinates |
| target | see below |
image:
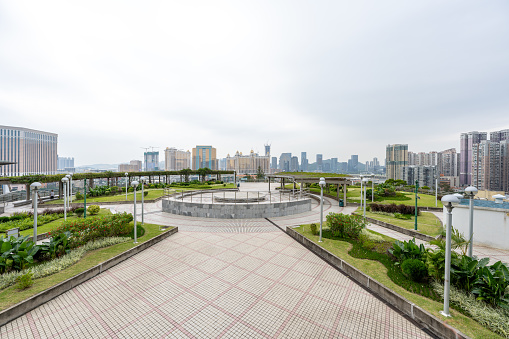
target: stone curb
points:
(37, 300)
(399, 229)
(74, 204)
(422, 317)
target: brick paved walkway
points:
(208, 285)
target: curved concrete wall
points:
(236, 211)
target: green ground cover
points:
(315, 175)
(54, 224)
(427, 223)
(379, 271)
(354, 195)
(10, 295)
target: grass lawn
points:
(378, 271)
(153, 193)
(55, 223)
(10, 295)
(427, 223)
(403, 198)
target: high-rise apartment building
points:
(467, 141)
(303, 161)
(294, 164)
(499, 136)
(424, 175)
(486, 166)
(151, 161)
(204, 157)
(284, 162)
(504, 168)
(319, 162)
(64, 163)
(32, 151)
(396, 157)
(248, 164)
(132, 166)
(274, 163)
(267, 150)
(448, 165)
(334, 165)
(176, 160)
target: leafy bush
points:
(345, 225)
(393, 208)
(145, 193)
(464, 272)
(415, 269)
(79, 211)
(24, 281)
(79, 196)
(491, 284)
(403, 250)
(313, 228)
(402, 216)
(84, 230)
(93, 209)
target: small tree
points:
(259, 173)
(186, 172)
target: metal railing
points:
(234, 196)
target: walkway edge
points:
(399, 229)
(37, 300)
(422, 317)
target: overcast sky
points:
(331, 77)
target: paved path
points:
(208, 285)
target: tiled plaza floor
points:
(208, 285)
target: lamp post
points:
(362, 182)
(126, 174)
(65, 180)
(322, 184)
(416, 197)
(471, 191)
(436, 191)
(85, 198)
(68, 195)
(35, 186)
(448, 200)
(134, 184)
(373, 188)
(142, 180)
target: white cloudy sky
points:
(331, 77)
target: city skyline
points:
(349, 81)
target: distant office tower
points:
(65, 163)
(248, 164)
(284, 161)
(303, 161)
(274, 163)
(504, 168)
(396, 157)
(334, 165)
(151, 161)
(319, 162)
(294, 164)
(32, 151)
(486, 166)
(204, 157)
(353, 164)
(467, 140)
(343, 167)
(267, 150)
(132, 166)
(176, 160)
(425, 175)
(221, 164)
(499, 136)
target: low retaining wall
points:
(236, 211)
(399, 229)
(422, 317)
(29, 304)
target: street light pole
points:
(362, 179)
(70, 187)
(471, 191)
(85, 198)
(322, 184)
(142, 180)
(65, 180)
(126, 174)
(373, 188)
(35, 186)
(436, 191)
(447, 201)
(416, 209)
(135, 184)
(365, 202)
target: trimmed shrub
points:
(24, 281)
(93, 209)
(79, 196)
(402, 216)
(393, 208)
(345, 225)
(79, 211)
(414, 269)
(313, 228)
(145, 193)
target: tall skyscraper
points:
(151, 161)
(319, 162)
(334, 165)
(486, 166)
(284, 161)
(176, 160)
(303, 161)
(32, 151)
(294, 164)
(396, 156)
(467, 140)
(267, 150)
(204, 157)
(353, 164)
(274, 163)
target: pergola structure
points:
(312, 179)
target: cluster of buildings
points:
(481, 163)
(289, 163)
